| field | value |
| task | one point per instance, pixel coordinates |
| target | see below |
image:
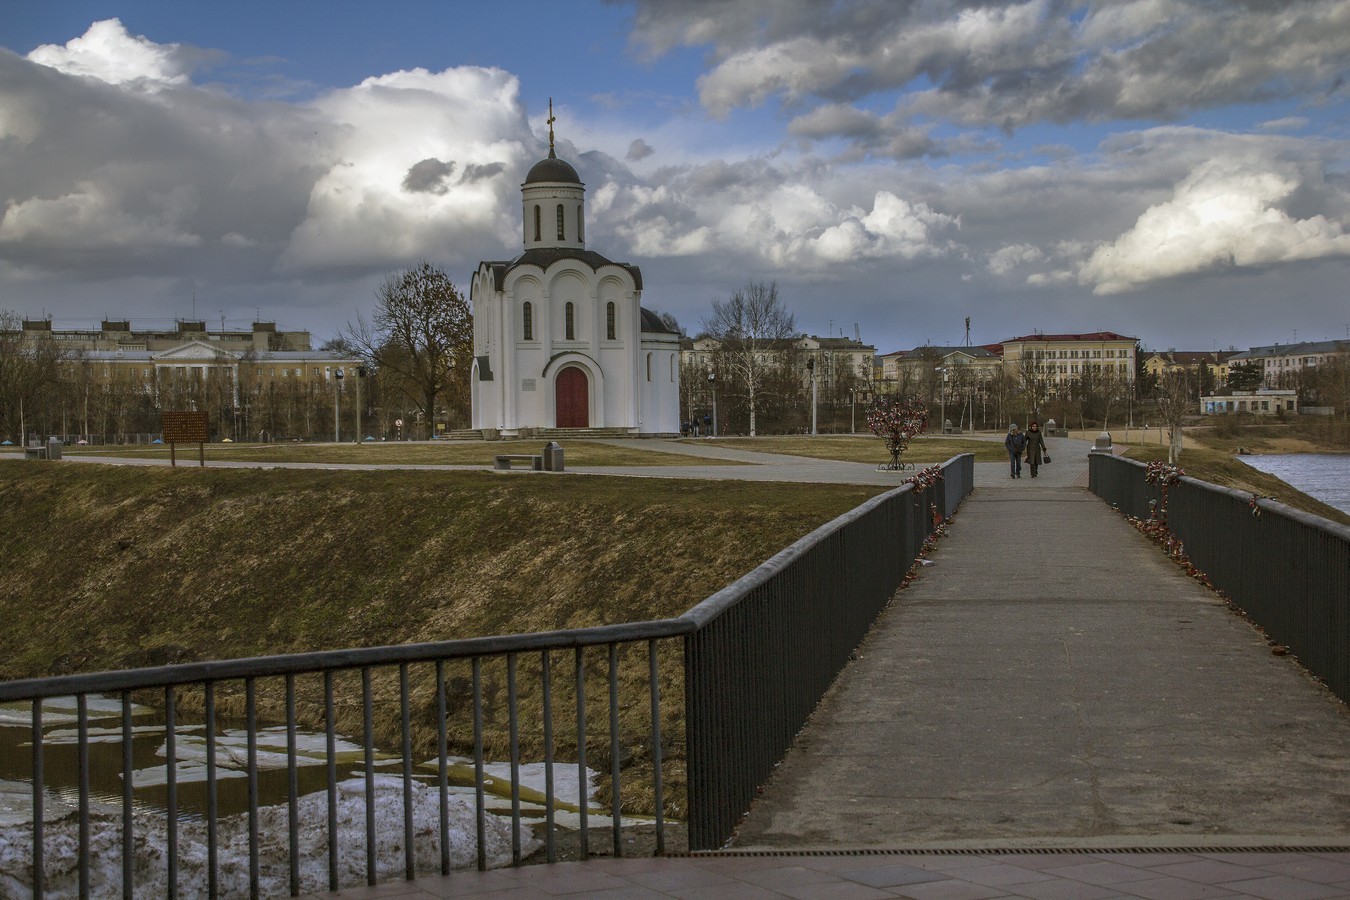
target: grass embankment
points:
(113, 567)
(1211, 458)
(923, 451)
(429, 453)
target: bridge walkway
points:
(1051, 678)
(1051, 709)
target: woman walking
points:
(1036, 448)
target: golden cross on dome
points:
(551, 120)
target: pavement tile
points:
(788, 876)
(959, 863)
(1177, 889)
(673, 877)
(1044, 862)
(631, 892)
(1254, 857)
(736, 863)
(495, 884)
(1104, 873)
(1004, 874)
(950, 889)
(1062, 889)
(1147, 859)
(568, 878)
(1282, 887)
(1209, 871)
(494, 893)
(1326, 871)
(735, 891)
(839, 890)
(891, 876)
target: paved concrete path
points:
(1053, 678)
(1070, 466)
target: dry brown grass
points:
(110, 567)
(1221, 468)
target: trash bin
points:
(53, 448)
(553, 457)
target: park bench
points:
(35, 451)
(551, 460)
(508, 460)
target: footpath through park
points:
(1051, 709)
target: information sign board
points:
(185, 427)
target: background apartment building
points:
(111, 383)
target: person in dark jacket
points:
(1035, 447)
(1015, 443)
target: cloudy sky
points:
(1176, 170)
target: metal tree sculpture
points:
(896, 420)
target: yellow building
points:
(1062, 358)
(1159, 361)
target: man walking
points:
(1015, 443)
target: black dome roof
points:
(552, 169)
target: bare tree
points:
(749, 327)
(422, 334)
(1174, 402)
(30, 375)
(1034, 381)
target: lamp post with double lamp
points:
(337, 408)
(712, 384)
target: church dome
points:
(552, 170)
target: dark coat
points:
(1015, 442)
(1035, 444)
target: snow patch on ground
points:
(61, 847)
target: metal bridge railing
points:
(1286, 569)
(755, 659)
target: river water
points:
(1325, 476)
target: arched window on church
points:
(527, 321)
(581, 225)
(649, 367)
(609, 321)
(562, 231)
(570, 317)
(537, 231)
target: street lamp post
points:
(853, 411)
(942, 400)
(811, 369)
(337, 408)
(712, 383)
(360, 374)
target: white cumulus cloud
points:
(1225, 213)
(456, 121)
(110, 54)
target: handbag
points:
(1045, 460)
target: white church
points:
(560, 336)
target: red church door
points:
(573, 399)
